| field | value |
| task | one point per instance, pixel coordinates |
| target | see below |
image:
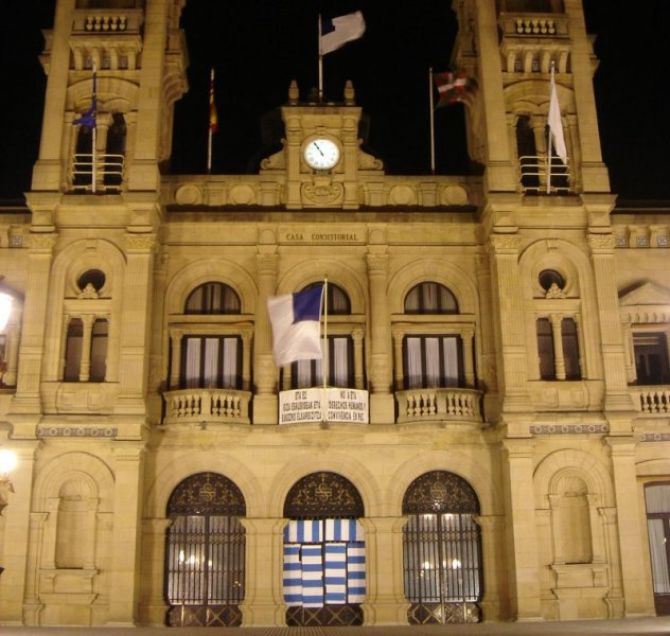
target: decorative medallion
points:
(323, 495)
(206, 493)
(440, 492)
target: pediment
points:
(648, 293)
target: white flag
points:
(296, 327)
(555, 123)
(337, 32)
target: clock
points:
(321, 154)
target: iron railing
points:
(534, 171)
(105, 174)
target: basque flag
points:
(296, 326)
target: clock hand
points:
(319, 149)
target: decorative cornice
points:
(655, 437)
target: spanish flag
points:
(213, 117)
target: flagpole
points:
(211, 132)
(94, 133)
(432, 119)
(320, 63)
(325, 361)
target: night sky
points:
(258, 46)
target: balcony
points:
(209, 406)
(652, 400)
(534, 25)
(102, 174)
(439, 405)
(535, 171)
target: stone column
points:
(632, 542)
(557, 336)
(87, 321)
(153, 606)
(468, 359)
(246, 361)
(398, 368)
(359, 365)
(125, 568)
(522, 557)
(175, 340)
(18, 539)
(381, 400)
(265, 372)
(263, 603)
(386, 603)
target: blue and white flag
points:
(296, 326)
(88, 118)
(337, 32)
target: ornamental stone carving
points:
(322, 194)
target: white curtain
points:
(657, 498)
(450, 352)
(210, 371)
(192, 366)
(659, 559)
(414, 372)
(340, 362)
(432, 376)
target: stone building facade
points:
(511, 344)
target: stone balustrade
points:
(107, 21)
(187, 406)
(450, 405)
(534, 25)
(653, 400)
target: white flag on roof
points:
(337, 32)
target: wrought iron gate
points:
(442, 551)
(324, 552)
(205, 553)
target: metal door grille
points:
(205, 553)
(442, 550)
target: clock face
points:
(321, 154)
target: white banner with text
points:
(303, 406)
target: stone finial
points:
(293, 93)
(555, 291)
(89, 292)
(349, 93)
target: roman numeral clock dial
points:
(321, 154)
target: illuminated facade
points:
(512, 345)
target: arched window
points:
(340, 354)
(430, 298)
(213, 298)
(205, 552)
(324, 552)
(442, 550)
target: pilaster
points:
(263, 604)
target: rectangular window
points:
(570, 343)
(73, 350)
(432, 361)
(211, 362)
(545, 349)
(99, 335)
(651, 358)
(307, 373)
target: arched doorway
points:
(204, 555)
(324, 552)
(442, 550)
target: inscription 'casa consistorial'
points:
(303, 235)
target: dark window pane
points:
(545, 349)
